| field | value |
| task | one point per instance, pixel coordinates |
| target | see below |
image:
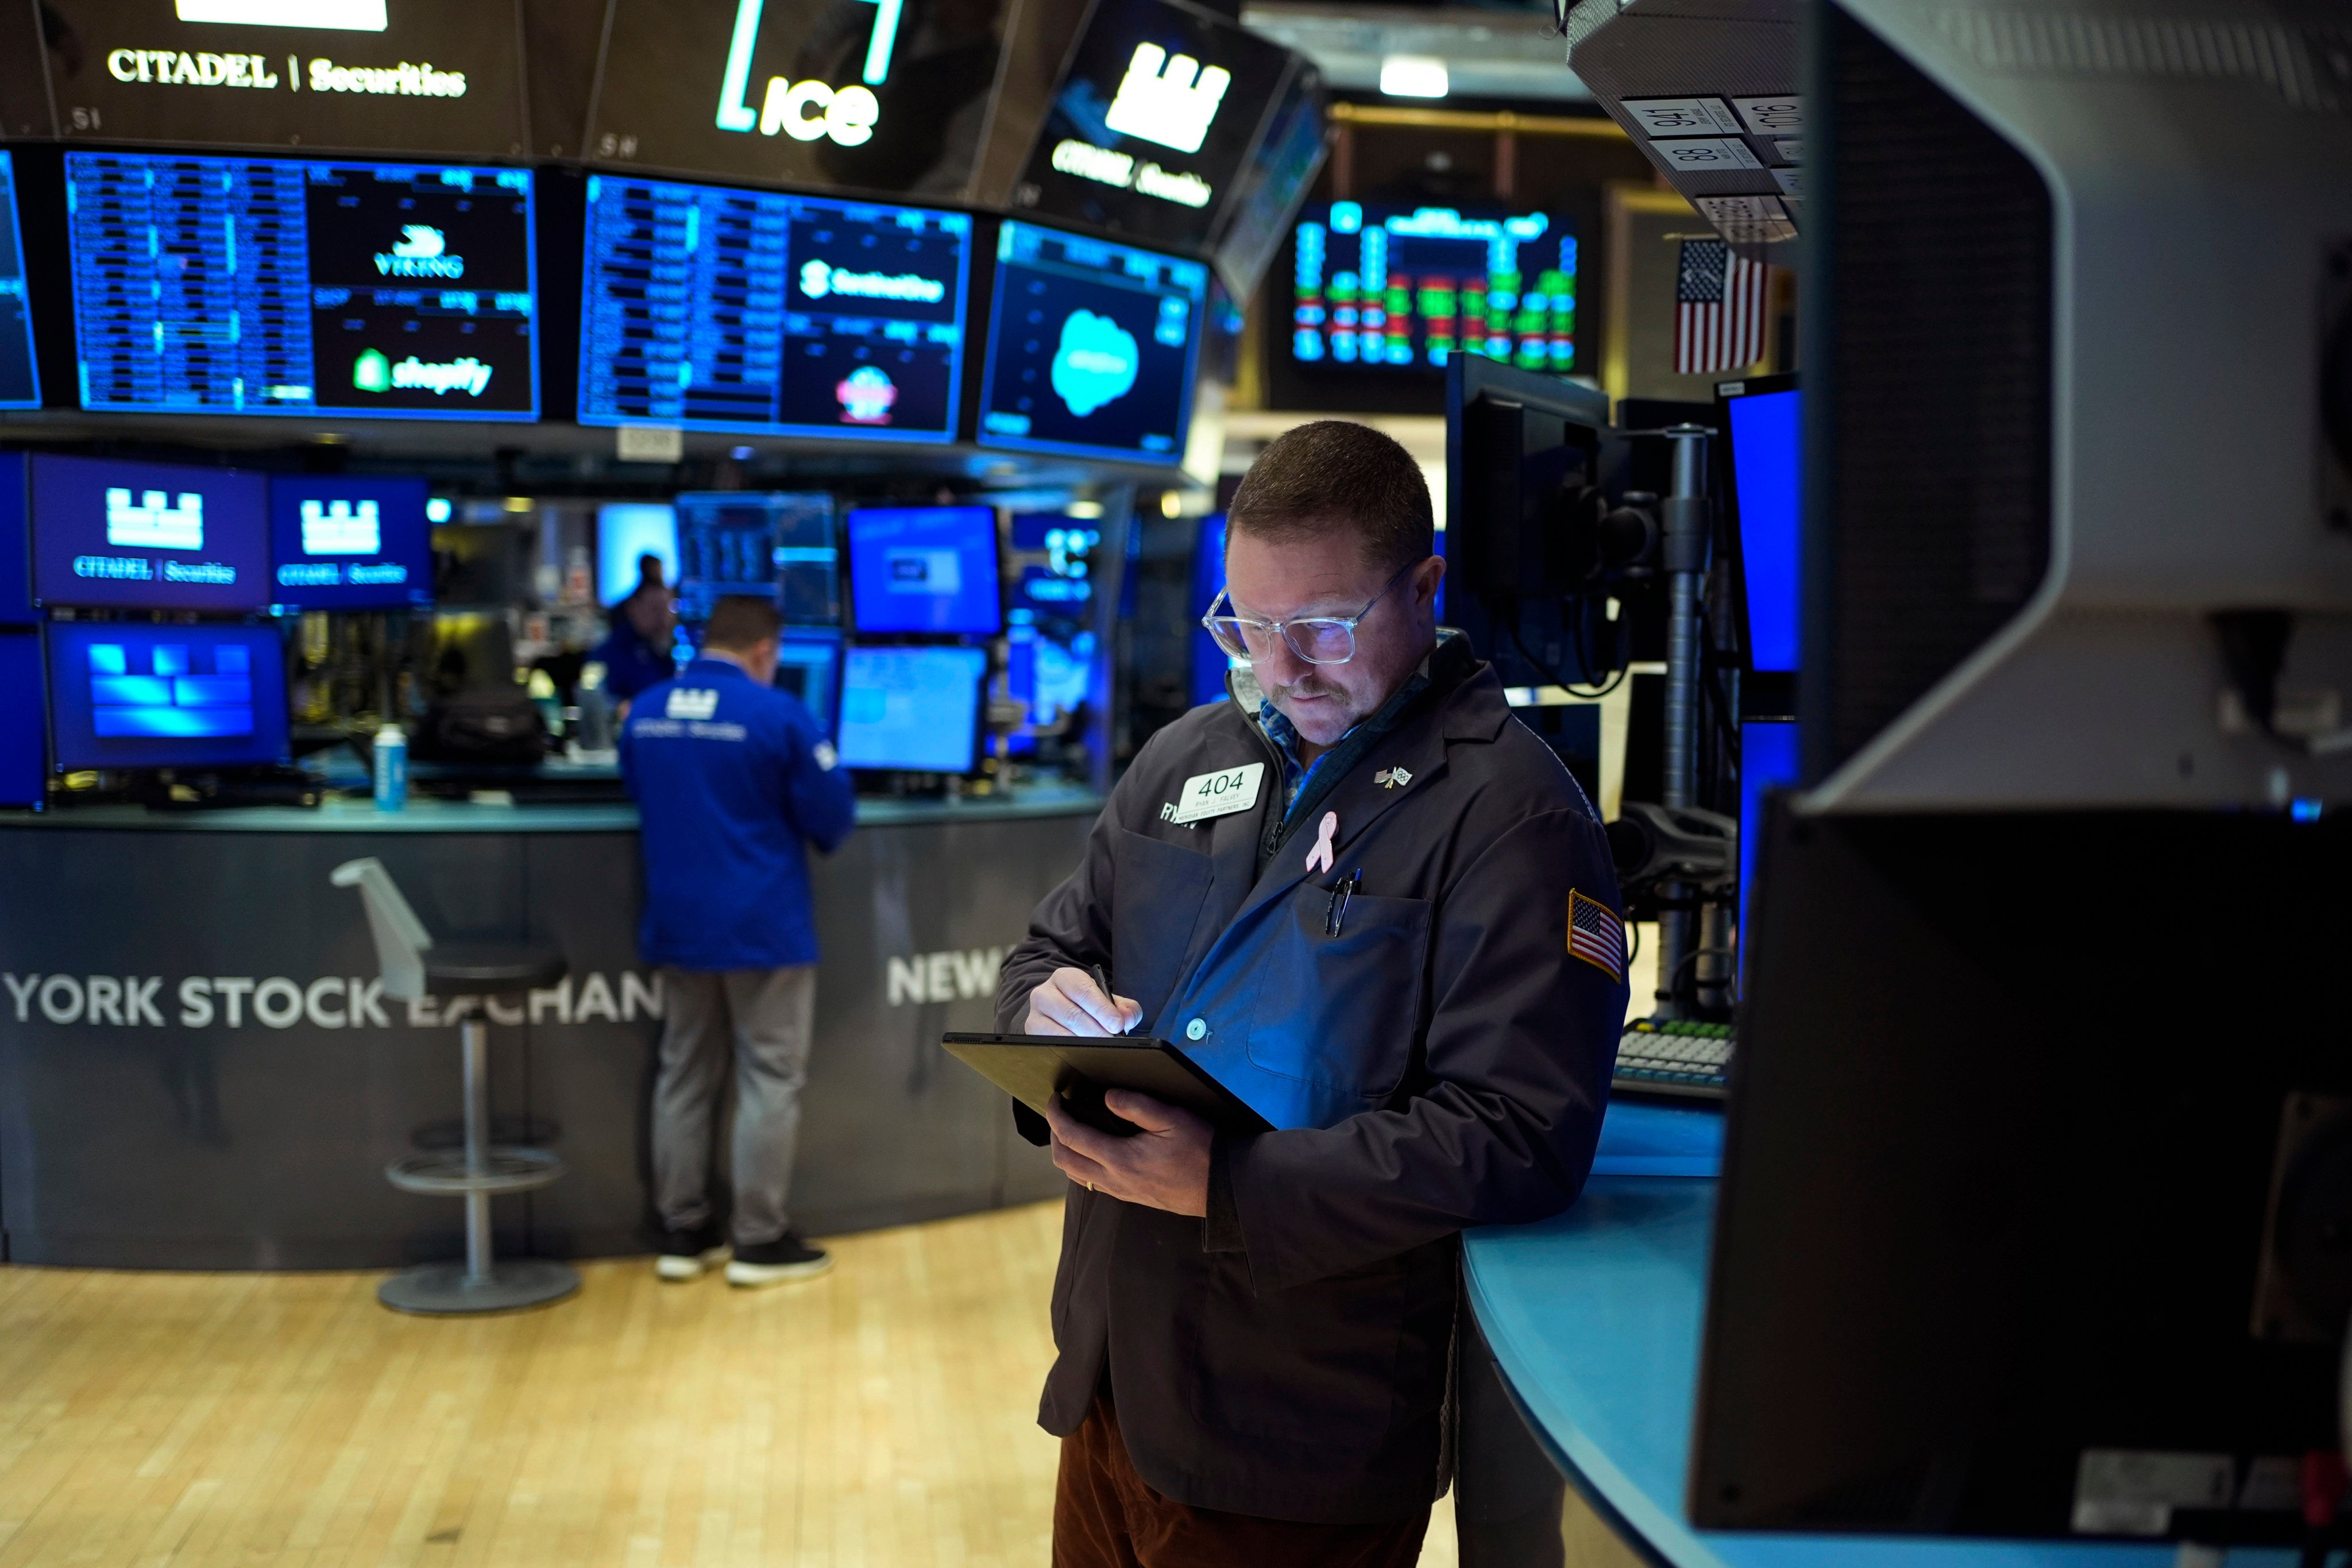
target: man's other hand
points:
(1165, 1166)
(1070, 1003)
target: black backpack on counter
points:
(497, 724)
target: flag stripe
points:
(1596, 935)
(1720, 309)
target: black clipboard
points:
(1032, 1068)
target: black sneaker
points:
(686, 1254)
(774, 1262)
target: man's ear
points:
(1425, 579)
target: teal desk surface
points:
(341, 814)
(1595, 1317)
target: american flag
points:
(1719, 310)
(1596, 935)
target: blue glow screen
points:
(925, 569)
(16, 544)
(1091, 347)
(149, 536)
(1764, 473)
(349, 544)
(912, 708)
(131, 696)
(20, 379)
(21, 770)
(808, 665)
(716, 309)
(268, 286)
(1767, 760)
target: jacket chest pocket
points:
(1340, 1012)
(1157, 888)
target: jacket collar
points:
(703, 665)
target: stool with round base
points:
(413, 966)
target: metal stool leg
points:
(480, 1284)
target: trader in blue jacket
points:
(732, 779)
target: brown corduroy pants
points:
(1106, 1516)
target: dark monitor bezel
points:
(849, 516)
(851, 649)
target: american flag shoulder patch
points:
(1596, 935)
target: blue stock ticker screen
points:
(349, 544)
(709, 308)
(1091, 347)
(270, 286)
(20, 381)
(128, 694)
(1404, 288)
(149, 536)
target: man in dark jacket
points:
(1378, 910)
(732, 779)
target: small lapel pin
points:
(1393, 778)
(1320, 858)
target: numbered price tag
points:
(1706, 154)
(1683, 115)
(1782, 114)
(1219, 794)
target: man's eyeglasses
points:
(1318, 639)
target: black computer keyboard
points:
(1674, 1057)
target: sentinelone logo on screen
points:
(818, 281)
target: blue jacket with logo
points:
(732, 780)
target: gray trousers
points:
(761, 1018)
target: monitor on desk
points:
(1092, 347)
(149, 536)
(925, 569)
(912, 708)
(132, 695)
(349, 544)
(808, 665)
(272, 286)
(1760, 421)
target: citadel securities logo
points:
(328, 1002)
(806, 110)
(421, 252)
(1168, 102)
(153, 522)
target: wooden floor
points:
(882, 1415)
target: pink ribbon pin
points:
(1320, 858)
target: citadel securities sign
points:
(325, 1001)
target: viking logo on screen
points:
(422, 251)
(819, 281)
(373, 372)
(1168, 102)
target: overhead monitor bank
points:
(717, 309)
(274, 287)
(434, 76)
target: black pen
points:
(1335, 914)
(1102, 984)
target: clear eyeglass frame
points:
(1316, 640)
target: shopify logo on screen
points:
(1168, 102)
(805, 110)
(1096, 362)
(340, 528)
(372, 372)
(153, 522)
(421, 252)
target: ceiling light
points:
(1412, 76)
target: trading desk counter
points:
(1592, 1320)
(198, 1067)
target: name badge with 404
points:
(1219, 794)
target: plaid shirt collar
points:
(1279, 730)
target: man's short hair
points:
(1333, 475)
(740, 621)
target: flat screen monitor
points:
(626, 532)
(16, 542)
(1091, 348)
(128, 694)
(349, 544)
(713, 308)
(925, 569)
(1763, 418)
(808, 665)
(23, 770)
(892, 97)
(268, 286)
(776, 546)
(1392, 291)
(1154, 122)
(20, 377)
(914, 709)
(436, 77)
(149, 536)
